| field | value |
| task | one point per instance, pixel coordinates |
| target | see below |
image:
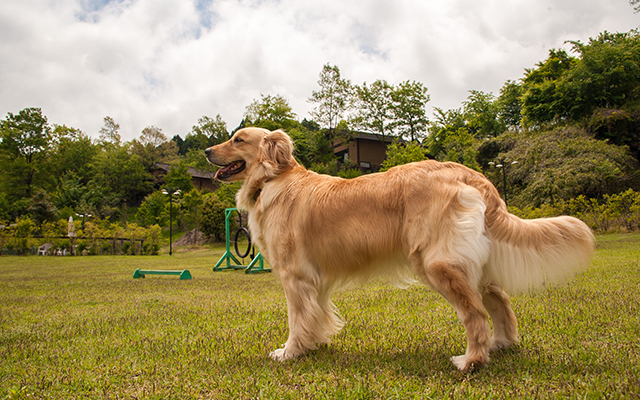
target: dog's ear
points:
(277, 152)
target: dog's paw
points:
(460, 362)
(280, 355)
(501, 344)
(463, 364)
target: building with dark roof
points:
(201, 180)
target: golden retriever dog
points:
(442, 222)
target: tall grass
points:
(81, 327)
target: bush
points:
(151, 210)
(613, 212)
(399, 153)
(151, 249)
(19, 237)
(15, 237)
(563, 164)
(213, 217)
(350, 173)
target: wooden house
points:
(366, 150)
(201, 180)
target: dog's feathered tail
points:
(529, 254)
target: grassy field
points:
(81, 327)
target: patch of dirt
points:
(191, 238)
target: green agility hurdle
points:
(140, 273)
(255, 266)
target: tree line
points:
(569, 127)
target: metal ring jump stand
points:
(257, 263)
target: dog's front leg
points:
(304, 315)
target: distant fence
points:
(98, 246)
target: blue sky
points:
(169, 62)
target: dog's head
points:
(252, 153)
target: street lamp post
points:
(83, 216)
(502, 164)
(170, 192)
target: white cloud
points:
(169, 62)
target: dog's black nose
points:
(207, 152)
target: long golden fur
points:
(444, 222)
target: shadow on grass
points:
(423, 362)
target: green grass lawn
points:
(82, 327)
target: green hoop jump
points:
(255, 266)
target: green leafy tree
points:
(5, 209)
(408, 110)
(373, 109)
(215, 129)
(445, 123)
(74, 194)
(227, 193)
(403, 153)
(152, 136)
(206, 133)
(270, 112)
(195, 141)
(24, 228)
(452, 132)
(191, 207)
(311, 126)
(213, 217)
(152, 147)
(604, 75)
(618, 127)
(461, 147)
(122, 176)
(332, 100)
(627, 206)
(326, 168)
(196, 159)
(171, 215)
(178, 177)
(25, 138)
(151, 211)
(481, 113)
(71, 152)
(42, 208)
(540, 100)
(510, 105)
(182, 150)
(110, 133)
(311, 146)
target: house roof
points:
(376, 137)
(192, 171)
(341, 141)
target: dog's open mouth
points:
(228, 171)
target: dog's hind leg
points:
(453, 283)
(505, 324)
(330, 322)
(311, 316)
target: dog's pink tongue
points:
(220, 171)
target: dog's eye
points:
(237, 140)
